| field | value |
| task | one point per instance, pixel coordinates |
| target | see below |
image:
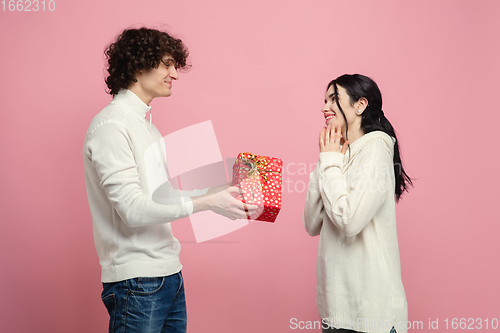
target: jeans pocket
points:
(181, 284)
(145, 285)
(110, 304)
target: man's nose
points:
(173, 73)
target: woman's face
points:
(331, 111)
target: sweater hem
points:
(362, 323)
(140, 269)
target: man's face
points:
(157, 82)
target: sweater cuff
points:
(331, 158)
(189, 205)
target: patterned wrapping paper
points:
(260, 178)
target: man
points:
(143, 289)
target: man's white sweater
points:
(131, 233)
(350, 203)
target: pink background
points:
(259, 73)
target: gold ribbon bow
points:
(256, 165)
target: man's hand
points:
(221, 201)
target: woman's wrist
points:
(331, 158)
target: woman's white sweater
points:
(350, 203)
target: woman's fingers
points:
(330, 138)
(321, 138)
(344, 147)
(333, 134)
(337, 133)
(327, 135)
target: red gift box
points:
(260, 179)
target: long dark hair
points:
(372, 119)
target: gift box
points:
(260, 179)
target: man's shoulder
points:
(112, 115)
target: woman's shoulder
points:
(377, 140)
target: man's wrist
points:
(216, 189)
(201, 203)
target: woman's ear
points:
(361, 105)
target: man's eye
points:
(169, 63)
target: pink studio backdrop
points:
(259, 71)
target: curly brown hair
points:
(140, 49)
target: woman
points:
(351, 204)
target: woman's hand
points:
(329, 139)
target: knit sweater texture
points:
(350, 204)
(131, 233)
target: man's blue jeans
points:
(146, 305)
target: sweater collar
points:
(133, 102)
